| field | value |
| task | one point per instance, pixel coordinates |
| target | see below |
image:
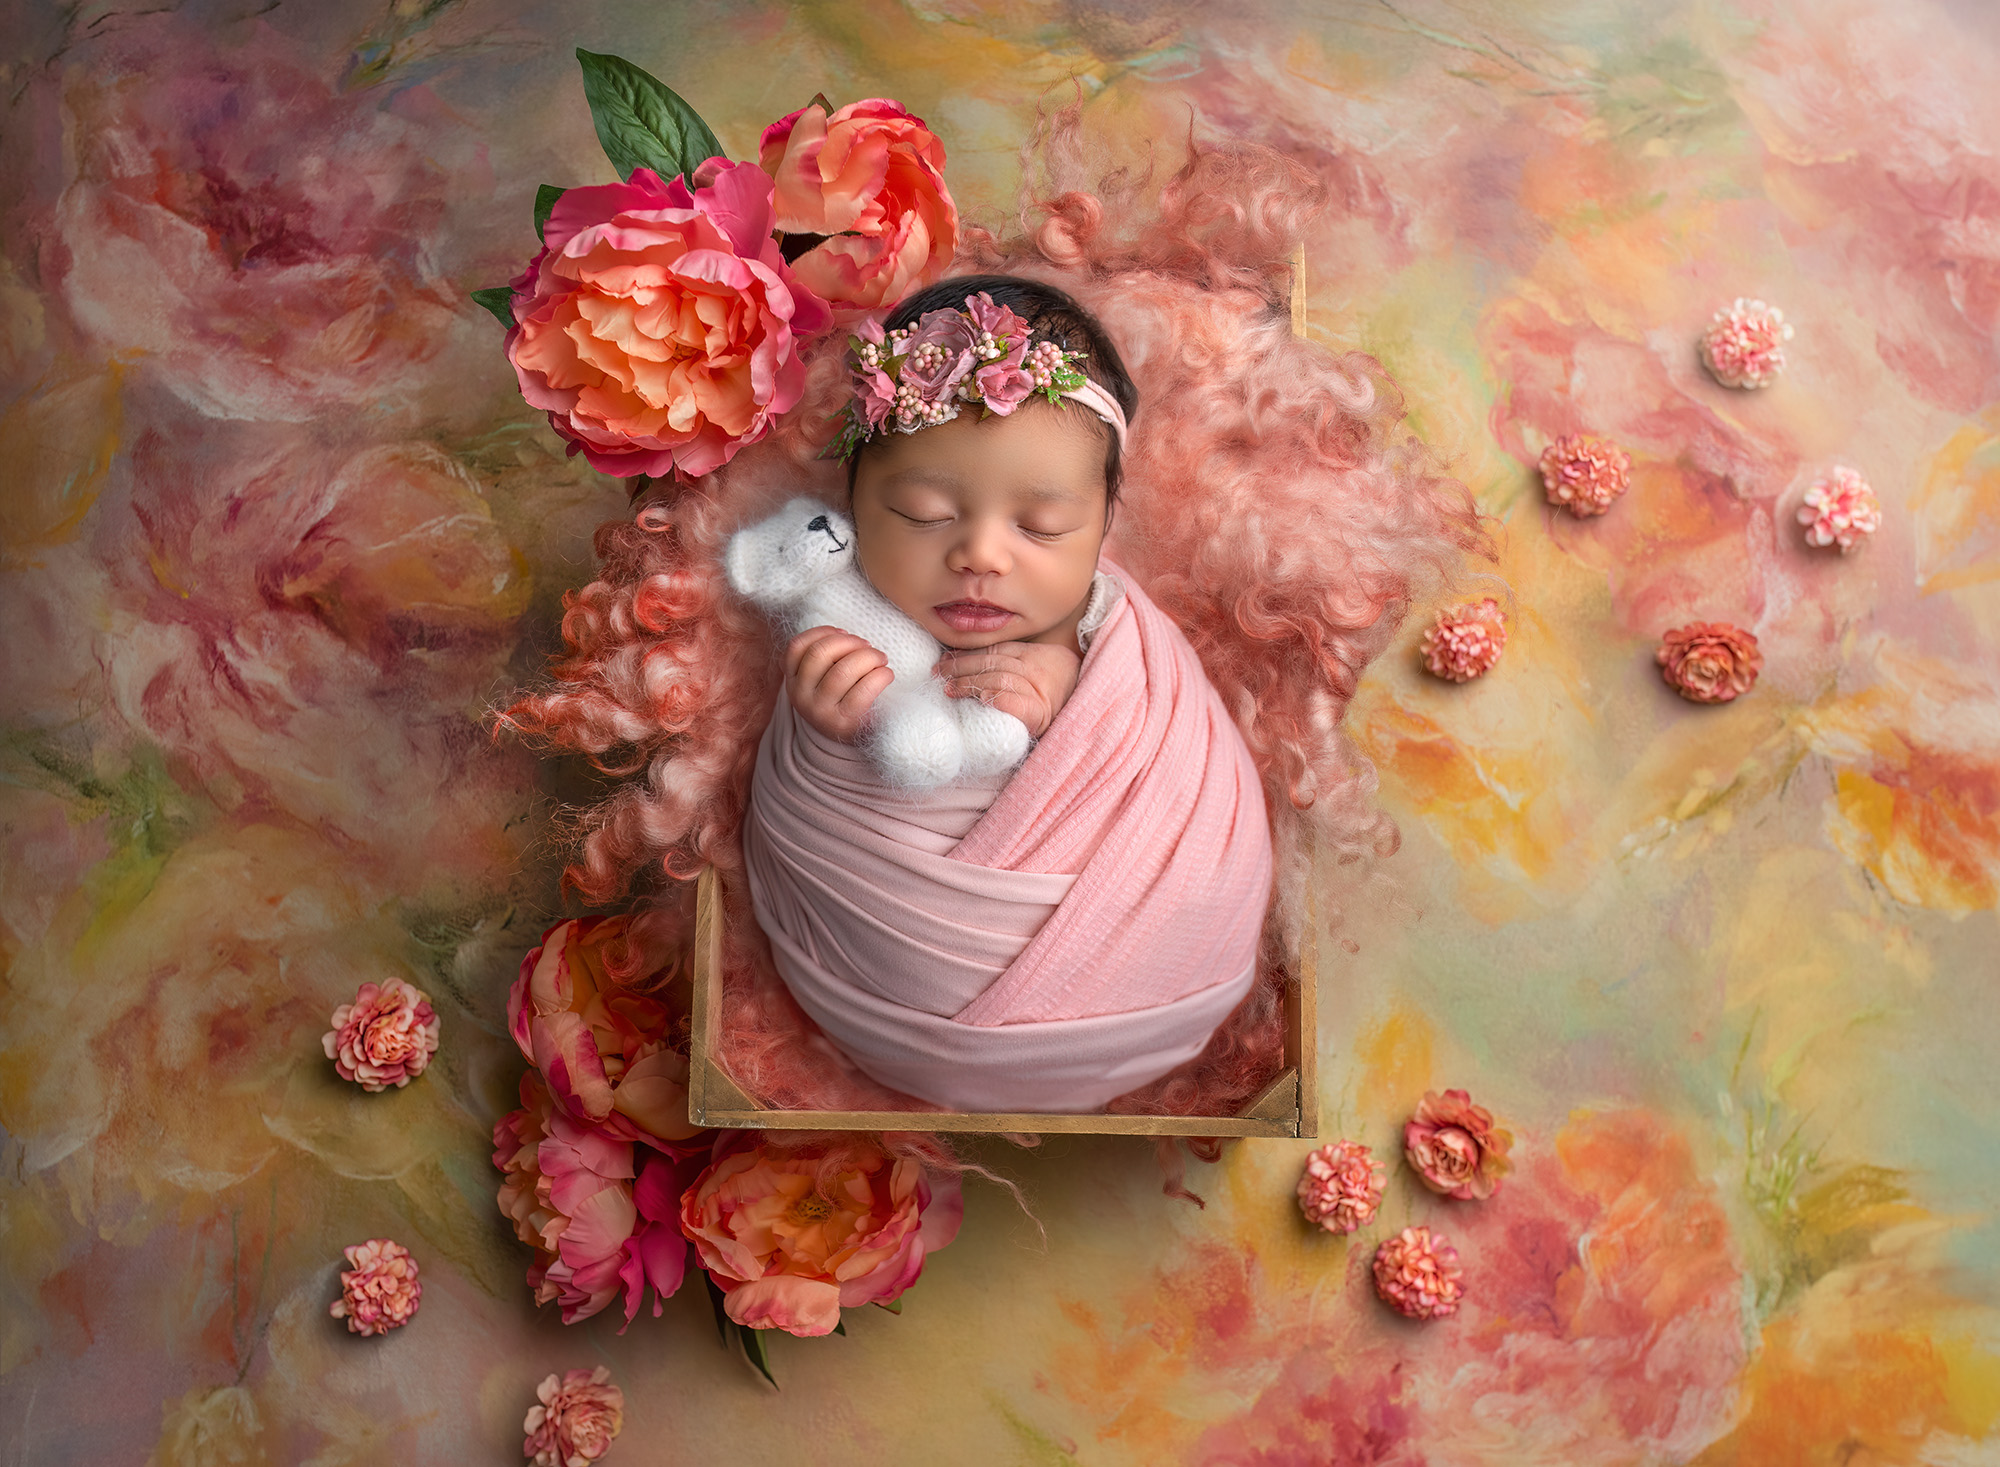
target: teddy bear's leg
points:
(916, 741)
(994, 741)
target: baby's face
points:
(986, 531)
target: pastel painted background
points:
(278, 531)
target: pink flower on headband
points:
(874, 389)
(939, 354)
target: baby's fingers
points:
(811, 653)
(1007, 691)
(839, 679)
(859, 698)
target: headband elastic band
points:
(1103, 404)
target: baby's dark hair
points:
(1052, 315)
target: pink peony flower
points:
(271, 245)
(1454, 1147)
(871, 176)
(659, 326)
(1709, 661)
(576, 1417)
(380, 1291)
(1584, 473)
(385, 1037)
(1466, 641)
(604, 1037)
(1341, 1187)
(600, 1213)
(1743, 346)
(1417, 1274)
(1840, 508)
(792, 1235)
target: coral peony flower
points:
(601, 1214)
(576, 1417)
(385, 1037)
(380, 1291)
(1465, 641)
(1454, 1147)
(1840, 508)
(1341, 1187)
(1744, 344)
(1584, 473)
(1709, 661)
(605, 1039)
(871, 176)
(659, 326)
(792, 1235)
(1417, 1274)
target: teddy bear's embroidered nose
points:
(820, 522)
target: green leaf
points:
(819, 100)
(498, 299)
(715, 1296)
(641, 121)
(894, 1306)
(840, 1328)
(545, 203)
(753, 1351)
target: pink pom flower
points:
(1454, 1147)
(380, 1291)
(1840, 508)
(1466, 641)
(385, 1037)
(1417, 1274)
(1584, 473)
(1341, 1187)
(1744, 344)
(575, 1419)
(1709, 661)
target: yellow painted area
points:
(1396, 1058)
(56, 444)
(1956, 510)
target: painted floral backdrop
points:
(278, 531)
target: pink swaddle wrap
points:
(1047, 948)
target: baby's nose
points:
(980, 551)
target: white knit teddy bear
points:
(799, 565)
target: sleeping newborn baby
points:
(1047, 938)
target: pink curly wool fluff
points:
(1743, 346)
(385, 1037)
(1341, 1187)
(1417, 1274)
(1840, 508)
(1585, 474)
(575, 1419)
(1465, 641)
(380, 1291)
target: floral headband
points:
(914, 378)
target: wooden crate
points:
(1288, 1106)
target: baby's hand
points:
(1031, 680)
(833, 678)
